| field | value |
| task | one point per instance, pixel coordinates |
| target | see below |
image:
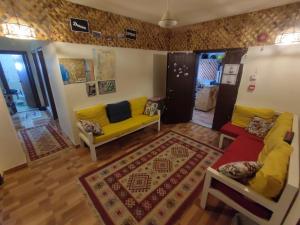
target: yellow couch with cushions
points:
(113, 131)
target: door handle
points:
(170, 90)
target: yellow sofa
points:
(113, 131)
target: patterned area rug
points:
(42, 141)
(150, 185)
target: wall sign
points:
(230, 73)
(79, 25)
(130, 34)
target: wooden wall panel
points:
(50, 18)
(236, 31)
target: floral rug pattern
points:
(152, 184)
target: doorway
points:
(17, 83)
(43, 78)
(209, 69)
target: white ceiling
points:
(186, 11)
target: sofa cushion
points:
(270, 179)
(150, 108)
(284, 120)
(242, 149)
(137, 106)
(259, 126)
(240, 170)
(91, 126)
(144, 119)
(117, 129)
(276, 135)
(95, 113)
(243, 114)
(118, 111)
(235, 131)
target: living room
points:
(120, 82)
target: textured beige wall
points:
(50, 18)
(237, 31)
(51, 22)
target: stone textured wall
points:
(50, 18)
(237, 31)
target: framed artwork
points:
(106, 86)
(105, 63)
(91, 89)
(76, 70)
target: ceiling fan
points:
(167, 20)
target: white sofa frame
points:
(279, 209)
(88, 138)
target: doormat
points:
(152, 184)
(42, 141)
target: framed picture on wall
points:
(76, 70)
(91, 89)
(106, 86)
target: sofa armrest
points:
(88, 135)
(242, 189)
(159, 113)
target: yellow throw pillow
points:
(95, 113)
(270, 179)
(243, 114)
(137, 106)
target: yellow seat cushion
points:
(270, 179)
(243, 114)
(137, 106)
(117, 129)
(144, 119)
(95, 113)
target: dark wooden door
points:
(40, 79)
(180, 90)
(47, 83)
(228, 93)
(3, 80)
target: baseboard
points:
(14, 169)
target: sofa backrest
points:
(137, 105)
(243, 114)
(98, 112)
(95, 113)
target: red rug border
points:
(178, 212)
(29, 145)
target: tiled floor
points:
(48, 193)
(30, 119)
(203, 118)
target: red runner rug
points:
(151, 185)
(42, 141)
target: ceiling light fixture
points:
(14, 29)
(167, 20)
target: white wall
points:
(136, 71)
(278, 78)
(11, 153)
